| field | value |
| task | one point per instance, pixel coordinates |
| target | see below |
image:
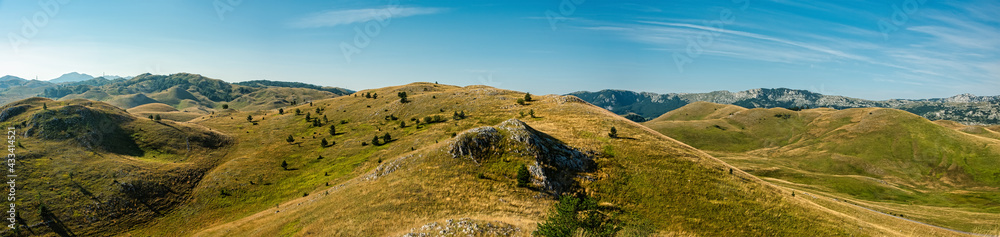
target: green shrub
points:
(523, 176)
(573, 214)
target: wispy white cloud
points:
(344, 17)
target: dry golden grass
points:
(662, 184)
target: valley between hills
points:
(185, 155)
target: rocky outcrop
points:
(465, 227)
(554, 163)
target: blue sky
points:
(866, 49)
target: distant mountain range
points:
(181, 91)
(71, 77)
(965, 108)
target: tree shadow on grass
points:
(54, 223)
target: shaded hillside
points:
(964, 108)
(440, 168)
(88, 168)
(875, 154)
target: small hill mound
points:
(174, 96)
(167, 112)
(152, 108)
(700, 110)
(133, 100)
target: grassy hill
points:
(453, 160)
(90, 168)
(165, 112)
(458, 168)
(885, 156)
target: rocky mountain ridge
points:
(964, 108)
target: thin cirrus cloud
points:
(333, 18)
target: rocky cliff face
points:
(964, 108)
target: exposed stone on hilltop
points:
(554, 162)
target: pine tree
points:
(386, 138)
(225, 106)
(613, 133)
(308, 119)
(150, 117)
(45, 106)
(284, 165)
(402, 97)
(402, 124)
(333, 130)
(527, 97)
(520, 101)
(324, 143)
(290, 139)
(297, 111)
(249, 118)
(368, 95)
(523, 176)
(375, 141)
(374, 95)
(531, 113)
(156, 118)
(281, 111)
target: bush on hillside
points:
(523, 176)
(575, 216)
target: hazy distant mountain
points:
(72, 77)
(14, 88)
(965, 108)
(9, 77)
(191, 91)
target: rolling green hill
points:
(873, 154)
